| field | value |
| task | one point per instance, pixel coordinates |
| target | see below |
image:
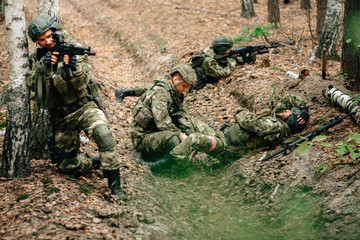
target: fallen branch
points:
(208, 12)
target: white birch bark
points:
(49, 7)
(331, 29)
(247, 9)
(344, 101)
(15, 159)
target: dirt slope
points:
(136, 41)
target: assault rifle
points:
(244, 52)
(311, 134)
(70, 50)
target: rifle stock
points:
(311, 134)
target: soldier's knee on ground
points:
(103, 137)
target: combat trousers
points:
(67, 130)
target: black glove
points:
(47, 59)
(305, 114)
(72, 63)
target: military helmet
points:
(292, 122)
(40, 24)
(222, 43)
(187, 73)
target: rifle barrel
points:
(312, 134)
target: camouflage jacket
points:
(53, 94)
(217, 68)
(267, 129)
(157, 107)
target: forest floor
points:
(137, 41)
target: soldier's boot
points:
(113, 177)
(120, 94)
(95, 162)
(162, 163)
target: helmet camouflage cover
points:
(40, 24)
(187, 73)
(222, 43)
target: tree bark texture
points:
(331, 29)
(50, 7)
(247, 9)
(274, 13)
(321, 10)
(350, 63)
(342, 100)
(15, 157)
(41, 127)
(305, 4)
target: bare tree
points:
(41, 127)
(321, 10)
(350, 63)
(274, 13)
(49, 7)
(2, 9)
(247, 9)
(331, 29)
(305, 4)
(15, 158)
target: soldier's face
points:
(285, 114)
(45, 40)
(180, 85)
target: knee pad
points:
(103, 137)
(172, 142)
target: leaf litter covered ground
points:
(136, 41)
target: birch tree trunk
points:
(49, 7)
(41, 127)
(15, 157)
(331, 29)
(274, 13)
(247, 9)
(320, 17)
(342, 100)
(350, 61)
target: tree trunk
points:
(274, 13)
(350, 63)
(331, 29)
(41, 127)
(321, 10)
(305, 4)
(49, 7)
(247, 9)
(2, 6)
(15, 157)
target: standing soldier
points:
(207, 68)
(73, 103)
(159, 121)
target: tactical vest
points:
(143, 115)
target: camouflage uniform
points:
(73, 108)
(261, 131)
(163, 106)
(216, 69)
